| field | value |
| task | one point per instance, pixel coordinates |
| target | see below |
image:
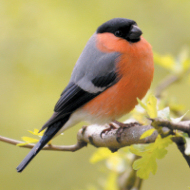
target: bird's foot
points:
(121, 128)
(110, 127)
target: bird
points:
(115, 68)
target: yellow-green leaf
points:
(186, 64)
(138, 149)
(149, 154)
(144, 166)
(22, 144)
(141, 103)
(111, 183)
(115, 163)
(147, 133)
(166, 61)
(100, 154)
(27, 140)
(36, 132)
(152, 106)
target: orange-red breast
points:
(114, 69)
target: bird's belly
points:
(116, 100)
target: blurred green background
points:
(40, 42)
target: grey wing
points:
(94, 65)
(94, 72)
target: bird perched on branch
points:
(114, 69)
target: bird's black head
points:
(123, 28)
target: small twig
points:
(165, 83)
(138, 184)
(169, 80)
(72, 148)
(179, 141)
(129, 180)
(182, 126)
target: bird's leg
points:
(121, 125)
(124, 125)
(110, 127)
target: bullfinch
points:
(115, 68)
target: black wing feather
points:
(70, 100)
(73, 97)
(106, 80)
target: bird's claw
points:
(111, 126)
(121, 129)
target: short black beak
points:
(134, 34)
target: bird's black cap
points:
(123, 28)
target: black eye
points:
(118, 33)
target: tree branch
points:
(114, 139)
(124, 135)
(92, 135)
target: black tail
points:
(48, 135)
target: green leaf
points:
(176, 65)
(166, 61)
(147, 133)
(162, 143)
(137, 149)
(145, 165)
(149, 153)
(176, 107)
(187, 149)
(152, 106)
(142, 104)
